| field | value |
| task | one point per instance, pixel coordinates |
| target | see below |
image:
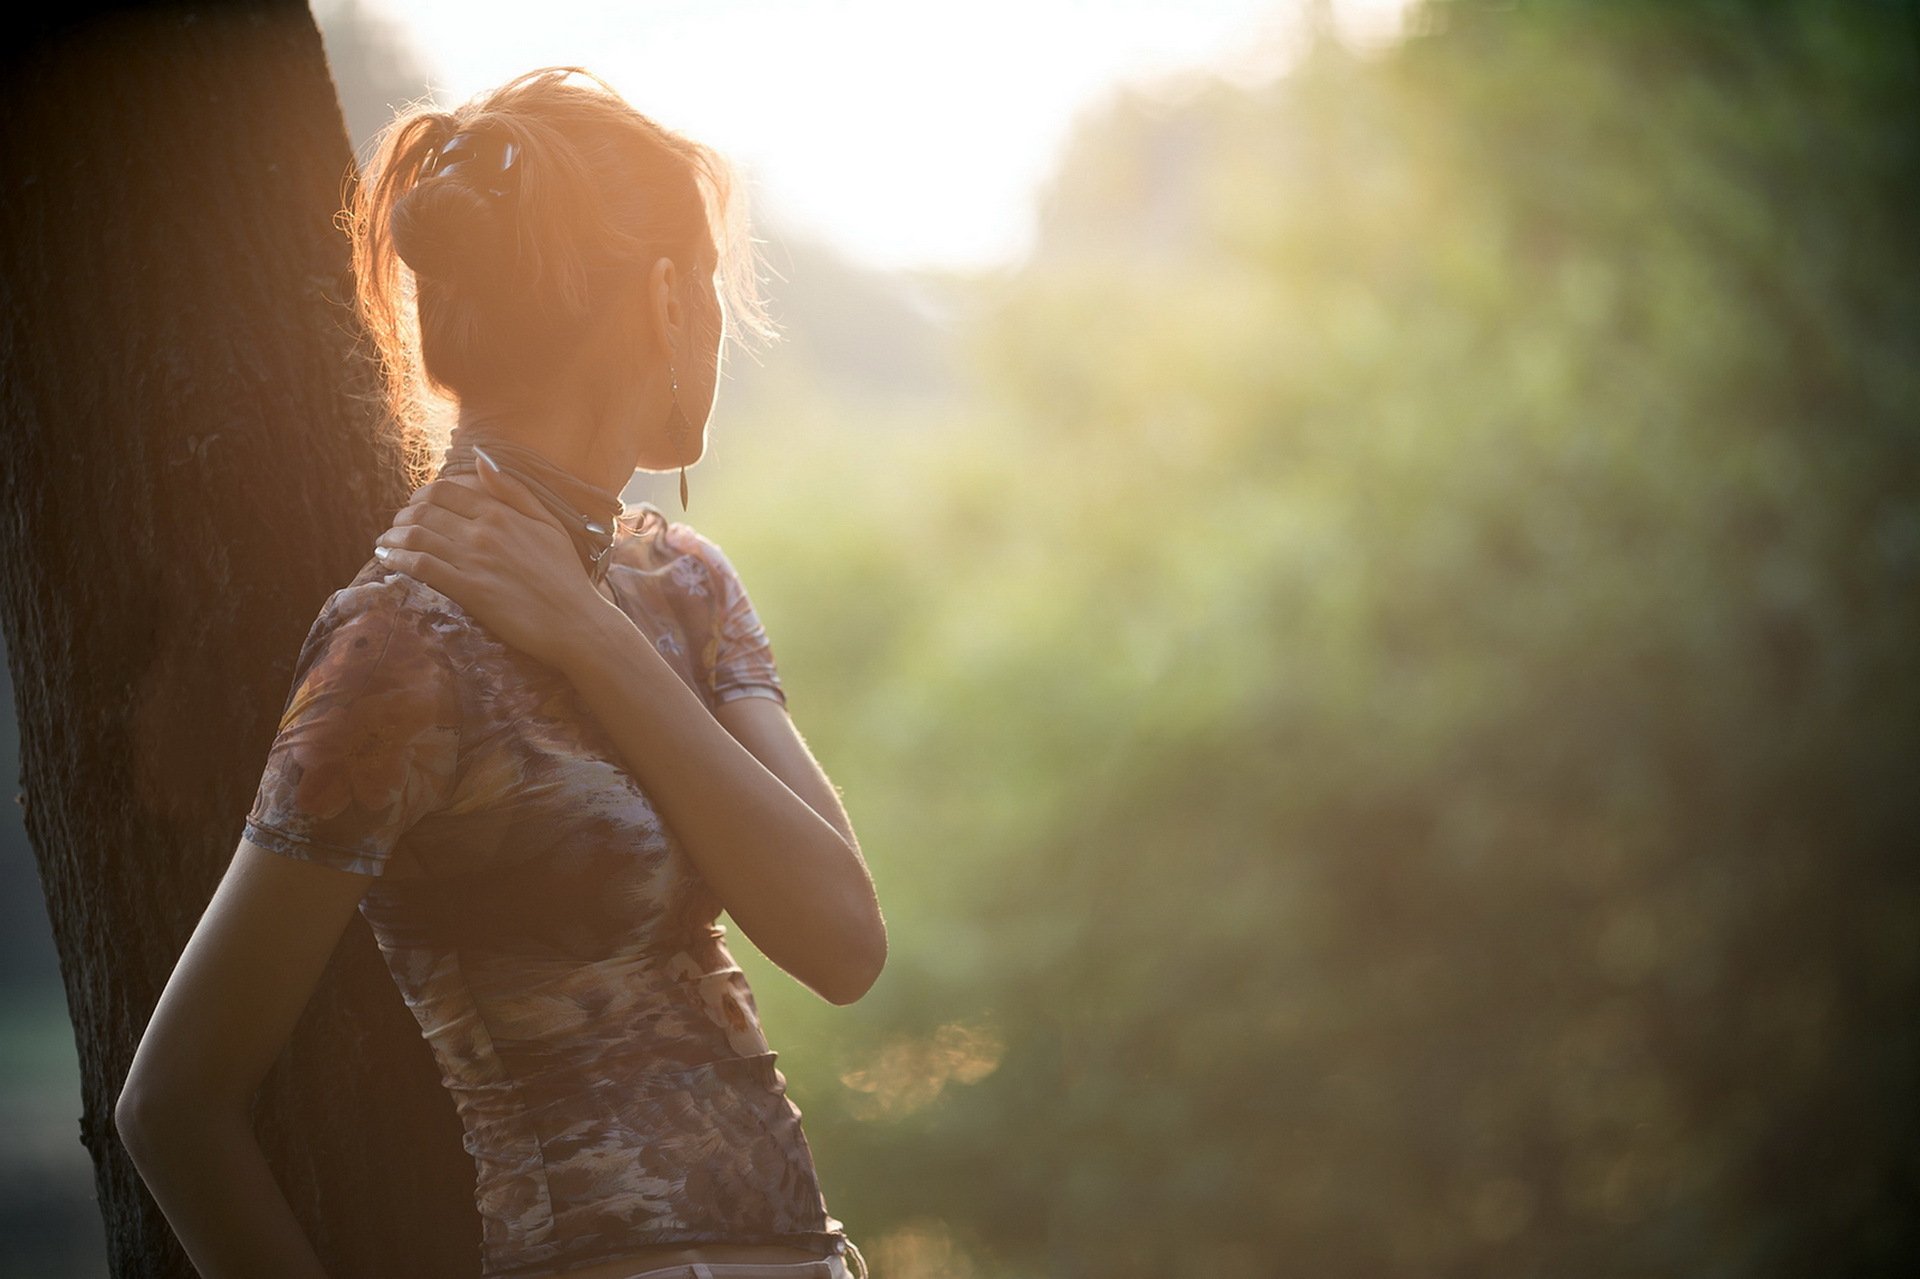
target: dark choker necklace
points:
(589, 513)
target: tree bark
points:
(193, 459)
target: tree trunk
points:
(192, 461)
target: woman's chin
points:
(661, 466)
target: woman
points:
(539, 741)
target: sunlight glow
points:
(905, 135)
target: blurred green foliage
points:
(1386, 729)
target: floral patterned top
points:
(557, 946)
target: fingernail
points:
(381, 551)
(493, 465)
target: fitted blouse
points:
(557, 946)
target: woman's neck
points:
(564, 435)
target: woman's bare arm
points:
(748, 803)
(226, 1012)
(763, 726)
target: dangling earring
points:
(678, 426)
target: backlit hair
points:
(462, 292)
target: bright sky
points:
(905, 134)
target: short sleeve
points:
(369, 739)
(739, 656)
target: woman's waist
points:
(596, 1084)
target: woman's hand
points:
(499, 554)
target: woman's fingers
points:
(429, 514)
(460, 513)
(510, 490)
(445, 503)
(422, 566)
(459, 499)
(423, 535)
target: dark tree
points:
(193, 458)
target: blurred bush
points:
(1386, 728)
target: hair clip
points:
(494, 155)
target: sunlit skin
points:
(738, 785)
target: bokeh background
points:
(1358, 567)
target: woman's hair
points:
(466, 291)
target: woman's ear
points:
(664, 313)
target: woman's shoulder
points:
(656, 540)
(380, 592)
(642, 520)
(648, 525)
(684, 539)
(375, 598)
(372, 647)
(386, 602)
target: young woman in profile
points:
(539, 741)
